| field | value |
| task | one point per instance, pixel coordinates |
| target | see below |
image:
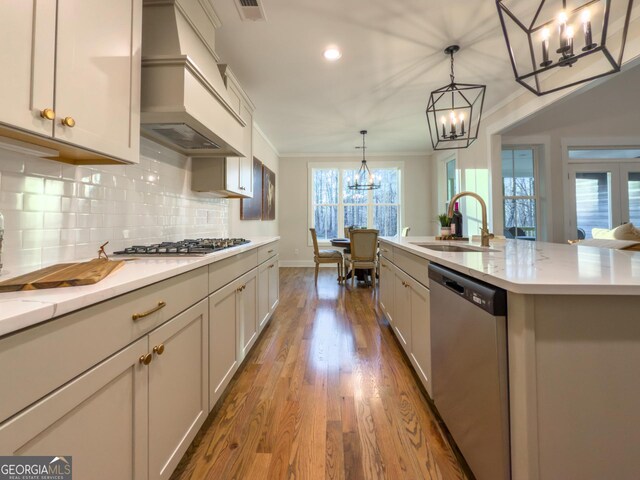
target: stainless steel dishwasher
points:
(469, 368)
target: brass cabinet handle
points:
(146, 359)
(269, 251)
(272, 265)
(385, 250)
(384, 265)
(48, 114)
(159, 349)
(241, 288)
(160, 305)
(69, 122)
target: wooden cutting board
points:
(63, 275)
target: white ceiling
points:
(391, 60)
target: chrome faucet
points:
(484, 232)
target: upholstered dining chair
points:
(364, 253)
(325, 256)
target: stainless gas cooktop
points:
(200, 246)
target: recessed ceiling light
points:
(332, 54)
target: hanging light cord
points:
(451, 74)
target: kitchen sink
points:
(440, 247)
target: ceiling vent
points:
(251, 10)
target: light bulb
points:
(570, 32)
(562, 17)
(586, 15)
(545, 34)
(461, 117)
(443, 119)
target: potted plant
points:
(445, 225)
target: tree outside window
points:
(519, 192)
(335, 206)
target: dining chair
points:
(364, 253)
(325, 256)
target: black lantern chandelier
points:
(454, 112)
(364, 179)
(545, 42)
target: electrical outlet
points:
(296, 251)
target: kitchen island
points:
(573, 343)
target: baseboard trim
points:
(304, 264)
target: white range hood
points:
(184, 102)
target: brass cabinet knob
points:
(146, 359)
(48, 114)
(69, 122)
(159, 349)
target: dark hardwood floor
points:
(325, 394)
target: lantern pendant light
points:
(454, 111)
(544, 40)
(364, 179)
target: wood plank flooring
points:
(326, 393)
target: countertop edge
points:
(30, 311)
(524, 288)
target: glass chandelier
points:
(454, 112)
(547, 39)
(364, 179)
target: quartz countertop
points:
(23, 309)
(526, 267)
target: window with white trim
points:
(334, 206)
(519, 191)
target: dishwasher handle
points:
(453, 285)
(488, 297)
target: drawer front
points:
(414, 265)
(227, 270)
(265, 252)
(40, 359)
(386, 250)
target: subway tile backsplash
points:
(56, 212)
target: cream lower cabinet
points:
(142, 415)
(178, 387)
(405, 302)
(233, 329)
(420, 331)
(223, 347)
(402, 303)
(268, 290)
(100, 419)
(247, 313)
(386, 285)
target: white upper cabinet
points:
(27, 54)
(72, 76)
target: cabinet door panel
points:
(263, 294)
(402, 319)
(246, 162)
(233, 174)
(387, 288)
(178, 388)
(97, 79)
(421, 332)
(223, 358)
(248, 315)
(100, 419)
(27, 36)
(274, 285)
